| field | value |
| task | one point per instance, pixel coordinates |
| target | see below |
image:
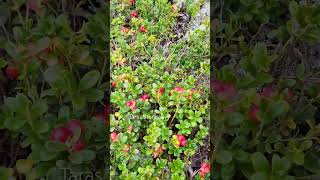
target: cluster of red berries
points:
(144, 97)
(182, 140)
(132, 104)
(63, 134)
(205, 168)
(179, 89)
(266, 92)
(228, 90)
(134, 14)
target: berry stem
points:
(175, 113)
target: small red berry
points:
(181, 138)
(60, 134)
(224, 89)
(33, 5)
(183, 143)
(205, 168)
(254, 109)
(131, 2)
(113, 84)
(290, 94)
(74, 124)
(179, 89)
(12, 72)
(114, 136)
(134, 14)
(144, 97)
(267, 92)
(143, 29)
(78, 146)
(132, 104)
(161, 90)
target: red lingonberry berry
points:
(290, 94)
(224, 89)
(205, 168)
(267, 92)
(183, 143)
(134, 14)
(60, 134)
(113, 84)
(253, 111)
(114, 136)
(75, 124)
(12, 72)
(143, 29)
(161, 90)
(78, 146)
(179, 89)
(144, 97)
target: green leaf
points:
(64, 113)
(278, 108)
(300, 71)
(46, 155)
(53, 74)
(55, 146)
(39, 107)
(280, 166)
(6, 173)
(260, 58)
(84, 58)
(224, 157)
(93, 95)
(259, 176)
(82, 156)
(260, 163)
(4, 14)
(14, 123)
(293, 8)
(39, 46)
(234, 119)
(78, 102)
(298, 157)
(41, 126)
(264, 78)
(55, 173)
(305, 145)
(89, 80)
(24, 165)
(3, 63)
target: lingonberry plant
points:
(159, 100)
(265, 87)
(52, 88)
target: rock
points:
(197, 20)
